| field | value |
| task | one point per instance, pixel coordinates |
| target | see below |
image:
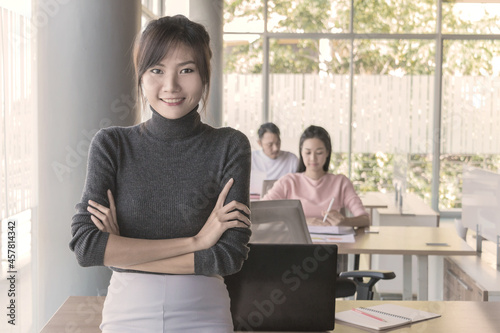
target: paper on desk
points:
(330, 229)
(325, 238)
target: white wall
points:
(85, 82)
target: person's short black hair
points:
(268, 127)
(318, 133)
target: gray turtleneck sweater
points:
(165, 176)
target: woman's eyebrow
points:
(184, 63)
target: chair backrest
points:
(279, 221)
(266, 186)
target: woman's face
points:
(173, 87)
(314, 154)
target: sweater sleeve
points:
(226, 257)
(352, 200)
(89, 243)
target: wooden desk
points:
(456, 316)
(372, 200)
(414, 211)
(77, 314)
(83, 314)
(408, 241)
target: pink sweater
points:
(315, 195)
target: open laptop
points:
(279, 221)
(285, 287)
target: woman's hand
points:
(316, 222)
(334, 218)
(103, 217)
(223, 218)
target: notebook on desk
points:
(384, 316)
(285, 287)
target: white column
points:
(210, 14)
(85, 82)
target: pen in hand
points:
(328, 210)
(369, 315)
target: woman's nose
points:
(170, 83)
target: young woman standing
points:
(165, 202)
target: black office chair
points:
(283, 221)
(353, 283)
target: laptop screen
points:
(279, 221)
(285, 287)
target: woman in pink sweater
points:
(316, 188)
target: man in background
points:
(270, 162)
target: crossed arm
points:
(173, 256)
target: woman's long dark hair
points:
(319, 133)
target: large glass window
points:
(470, 126)
(18, 157)
(373, 85)
(309, 86)
(242, 99)
(392, 113)
(18, 111)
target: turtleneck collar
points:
(164, 129)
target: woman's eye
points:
(186, 70)
(156, 71)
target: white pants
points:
(138, 302)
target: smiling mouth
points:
(172, 100)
